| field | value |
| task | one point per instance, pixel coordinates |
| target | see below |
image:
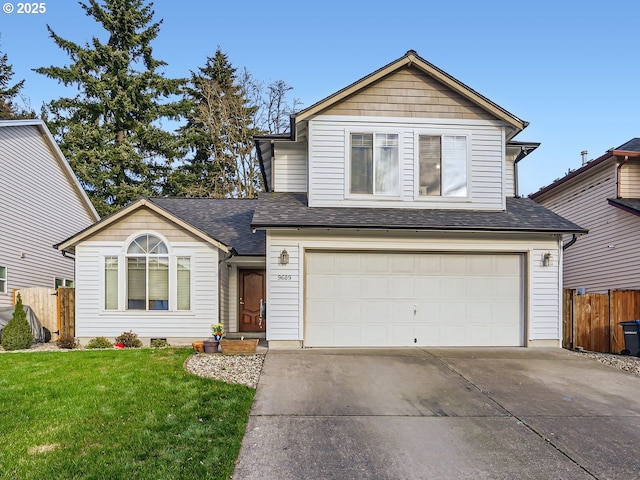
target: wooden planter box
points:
(230, 347)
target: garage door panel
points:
(374, 299)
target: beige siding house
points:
(391, 218)
(602, 196)
(41, 202)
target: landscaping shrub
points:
(129, 340)
(159, 343)
(17, 333)
(99, 342)
(68, 342)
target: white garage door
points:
(358, 299)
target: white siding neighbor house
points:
(391, 217)
(603, 196)
(41, 201)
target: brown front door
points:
(252, 291)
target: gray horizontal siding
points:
(39, 207)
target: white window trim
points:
(173, 254)
(416, 166)
(347, 164)
(6, 280)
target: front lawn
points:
(116, 414)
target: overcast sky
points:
(571, 71)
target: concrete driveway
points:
(510, 413)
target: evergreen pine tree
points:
(219, 134)
(17, 333)
(109, 131)
(9, 108)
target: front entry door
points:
(252, 294)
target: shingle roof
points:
(631, 205)
(632, 145)
(228, 220)
(291, 210)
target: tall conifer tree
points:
(9, 108)
(109, 131)
(218, 134)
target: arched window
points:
(147, 263)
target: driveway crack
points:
(519, 420)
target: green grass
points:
(116, 414)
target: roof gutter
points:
(416, 229)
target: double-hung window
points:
(3, 279)
(374, 164)
(442, 164)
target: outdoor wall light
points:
(546, 259)
(284, 257)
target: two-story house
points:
(41, 201)
(603, 195)
(391, 218)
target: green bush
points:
(159, 343)
(129, 340)
(17, 333)
(99, 342)
(67, 342)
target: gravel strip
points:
(242, 369)
(623, 362)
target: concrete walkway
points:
(510, 413)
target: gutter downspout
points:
(570, 242)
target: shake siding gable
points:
(39, 207)
(142, 220)
(409, 93)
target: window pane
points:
(3, 279)
(361, 163)
(158, 284)
(386, 163)
(184, 283)
(58, 282)
(454, 166)
(111, 283)
(147, 244)
(136, 283)
(69, 283)
(429, 158)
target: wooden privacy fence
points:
(54, 308)
(591, 320)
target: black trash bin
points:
(631, 337)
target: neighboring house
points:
(391, 218)
(603, 196)
(41, 201)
